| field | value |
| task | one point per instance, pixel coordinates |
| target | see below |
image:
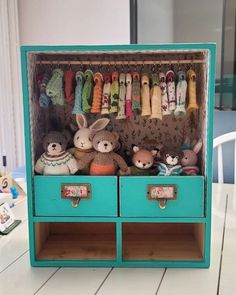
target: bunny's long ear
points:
(81, 121)
(99, 124)
(197, 146)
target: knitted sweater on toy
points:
(63, 164)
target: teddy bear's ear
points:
(116, 135)
(67, 135)
(73, 127)
(154, 152)
(135, 148)
(81, 121)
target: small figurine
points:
(170, 165)
(142, 160)
(190, 158)
(6, 185)
(103, 160)
(56, 160)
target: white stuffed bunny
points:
(190, 157)
(83, 137)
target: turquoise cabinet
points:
(123, 221)
(188, 201)
(49, 199)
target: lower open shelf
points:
(75, 241)
(139, 241)
(163, 241)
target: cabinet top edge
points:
(127, 47)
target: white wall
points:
(155, 21)
(199, 21)
(70, 22)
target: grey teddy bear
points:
(56, 160)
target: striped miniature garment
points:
(79, 77)
(97, 93)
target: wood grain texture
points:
(130, 281)
(227, 284)
(197, 281)
(81, 241)
(13, 245)
(80, 281)
(21, 278)
(159, 241)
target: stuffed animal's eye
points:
(90, 139)
(186, 158)
(98, 142)
(77, 138)
(60, 143)
(111, 143)
(48, 143)
(149, 163)
(139, 161)
(177, 157)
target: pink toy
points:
(190, 158)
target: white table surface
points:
(18, 277)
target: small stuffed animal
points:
(83, 137)
(190, 158)
(170, 165)
(103, 160)
(142, 160)
(56, 160)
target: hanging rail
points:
(120, 62)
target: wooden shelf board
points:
(164, 247)
(76, 247)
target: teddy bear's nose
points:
(105, 144)
(54, 145)
(144, 165)
(173, 157)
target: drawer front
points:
(188, 200)
(51, 198)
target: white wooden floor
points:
(17, 277)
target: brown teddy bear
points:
(103, 160)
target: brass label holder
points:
(161, 193)
(75, 192)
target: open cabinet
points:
(121, 223)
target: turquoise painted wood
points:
(102, 202)
(189, 200)
(211, 48)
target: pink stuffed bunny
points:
(190, 158)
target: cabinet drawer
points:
(136, 202)
(53, 195)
